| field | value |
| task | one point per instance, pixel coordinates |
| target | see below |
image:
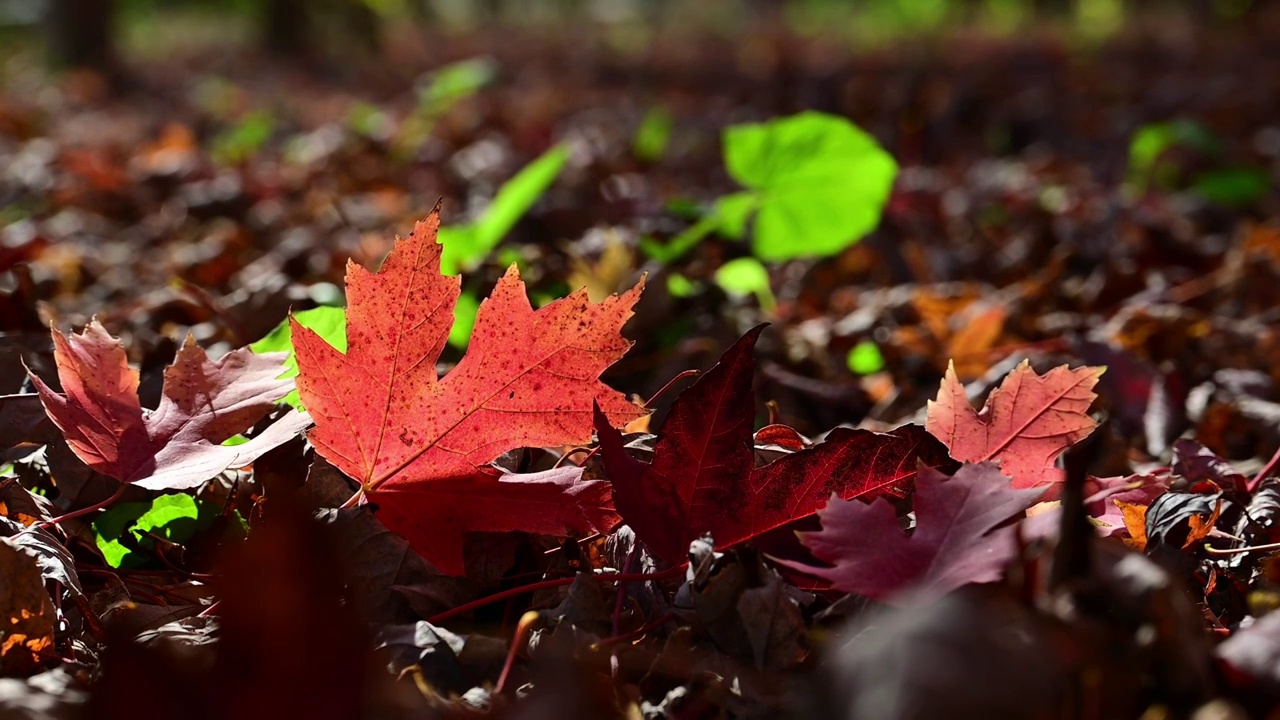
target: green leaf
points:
(819, 182)
(124, 532)
(680, 286)
(242, 142)
(330, 323)
(1153, 140)
(466, 246)
(1233, 187)
(464, 319)
(747, 276)
(733, 211)
(456, 81)
(651, 138)
(865, 358)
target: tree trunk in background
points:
(81, 34)
(1053, 8)
(315, 29)
(287, 26)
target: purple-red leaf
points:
(957, 539)
(703, 477)
(177, 446)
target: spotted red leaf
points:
(703, 477)
(529, 378)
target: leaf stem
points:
(547, 585)
(523, 628)
(83, 511)
(662, 391)
(682, 243)
(638, 632)
(1240, 551)
(354, 500)
(1266, 470)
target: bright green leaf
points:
(109, 527)
(747, 276)
(464, 319)
(466, 246)
(124, 529)
(865, 358)
(680, 286)
(328, 322)
(820, 183)
(733, 211)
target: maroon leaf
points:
(703, 477)
(555, 502)
(955, 542)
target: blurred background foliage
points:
(96, 33)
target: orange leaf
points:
(1135, 521)
(1200, 529)
(1027, 422)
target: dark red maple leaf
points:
(957, 539)
(703, 477)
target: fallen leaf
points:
(957, 539)
(1196, 464)
(703, 477)
(435, 515)
(1026, 423)
(971, 344)
(1137, 490)
(420, 444)
(1135, 521)
(26, 613)
(177, 446)
(1198, 529)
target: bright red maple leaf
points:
(418, 443)
(957, 539)
(1027, 422)
(177, 446)
(703, 476)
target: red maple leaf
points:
(1027, 422)
(420, 445)
(957, 539)
(703, 477)
(177, 446)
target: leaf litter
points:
(842, 548)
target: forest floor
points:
(214, 192)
